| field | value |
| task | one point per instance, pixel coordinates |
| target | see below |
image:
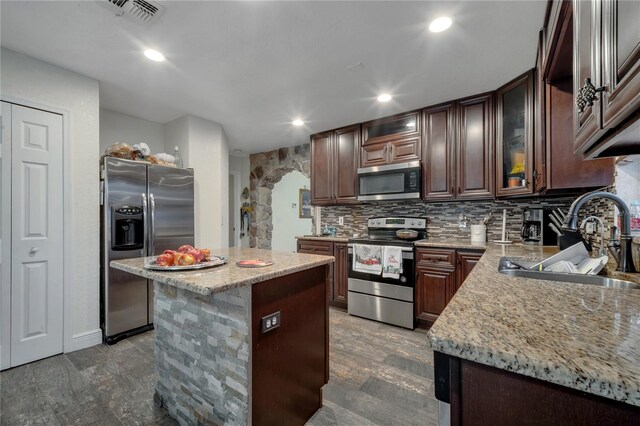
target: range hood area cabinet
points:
(606, 37)
(391, 140)
(334, 166)
(458, 150)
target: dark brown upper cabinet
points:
(475, 148)
(458, 146)
(390, 140)
(514, 137)
(557, 167)
(607, 53)
(334, 164)
(396, 127)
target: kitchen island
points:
(220, 356)
(512, 350)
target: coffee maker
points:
(535, 227)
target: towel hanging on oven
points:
(391, 262)
(367, 259)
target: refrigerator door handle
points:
(152, 229)
(145, 223)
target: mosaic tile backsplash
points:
(443, 217)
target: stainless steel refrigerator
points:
(146, 209)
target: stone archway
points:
(267, 169)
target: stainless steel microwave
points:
(390, 182)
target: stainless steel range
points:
(382, 296)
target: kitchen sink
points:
(508, 267)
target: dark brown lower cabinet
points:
(338, 271)
(292, 358)
(481, 395)
(439, 274)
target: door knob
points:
(33, 250)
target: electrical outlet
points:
(590, 228)
(340, 220)
(270, 322)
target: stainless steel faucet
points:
(623, 253)
(603, 250)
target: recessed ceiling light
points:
(440, 24)
(297, 122)
(385, 97)
(154, 55)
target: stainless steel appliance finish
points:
(389, 182)
(386, 299)
(146, 209)
(535, 227)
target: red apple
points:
(165, 260)
(185, 248)
(186, 259)
(197, 254)
(171, 252)
(206, 253)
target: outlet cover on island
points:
(340, 220)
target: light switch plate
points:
(340, 220)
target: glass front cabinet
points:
(514, 137)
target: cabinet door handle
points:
(587, 94)
(453, 190)
(459, 190)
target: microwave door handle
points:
(152, 230)
(145, 224)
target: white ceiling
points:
(254, 66)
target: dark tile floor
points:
(380, 375)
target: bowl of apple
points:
(185, 258)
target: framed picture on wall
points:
(304, 206)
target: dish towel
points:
(367, 259)
(391, 262)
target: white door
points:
(5, 238)
(37, 238)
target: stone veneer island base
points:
(215, 365)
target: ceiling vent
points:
(143, 12)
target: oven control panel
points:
(397, 222)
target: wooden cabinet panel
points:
(324, 248)
(435, 257)
(321, 169)
(475, 155)
(374, 155)
(586, 53)
(466, 261)
(539, 137)
(404, 150)
(438, 177)
(514, 137)
(346, 141)
(400, 126)
(620, 60)
(567, 170)
(341, 274)
(433, 292)
(334, 166)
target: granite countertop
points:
(221, 278)
(580, 336)
(336, 239)
(458, 243)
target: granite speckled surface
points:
(336, 239)
(455, 243)
(580, 336)
(225, 277)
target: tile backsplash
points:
(442, 217)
